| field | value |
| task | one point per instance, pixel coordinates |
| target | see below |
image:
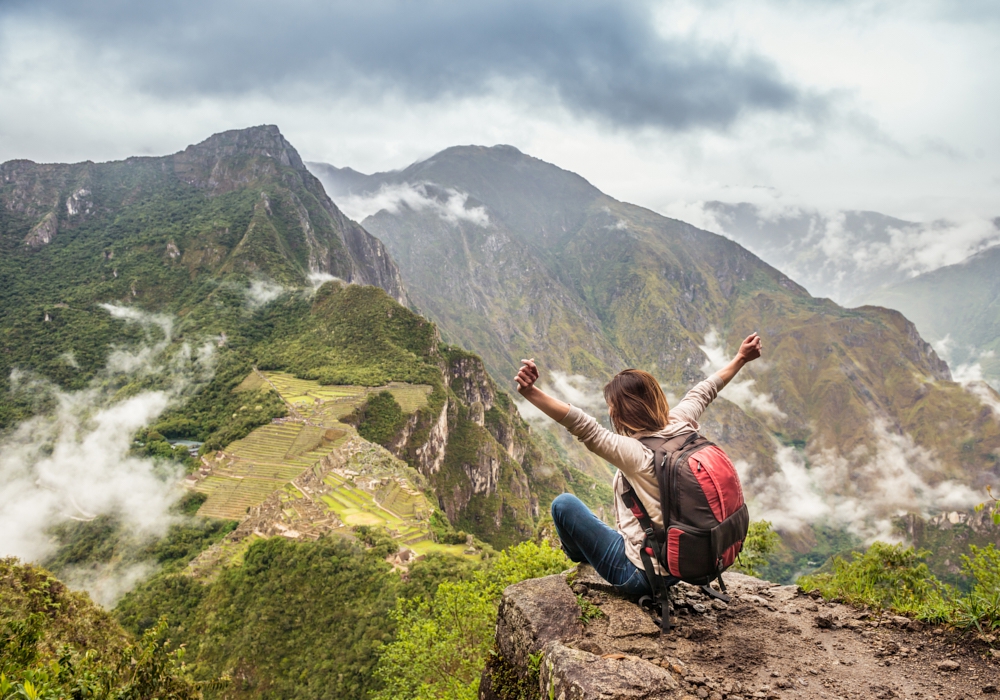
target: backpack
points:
(704, 515)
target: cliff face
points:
(769, 641)
(491, 475)
(275, 218)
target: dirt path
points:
(774, 642)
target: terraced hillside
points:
(249, 470)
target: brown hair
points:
(636, 402)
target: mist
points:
(861, 492)
(451, 208)
(73, 462)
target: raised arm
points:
(748, 352)
(702, 394)
(625, 453)
(550, 406)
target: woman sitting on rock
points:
(637, 408)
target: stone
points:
(580, 589)
(586, 575)
(578, 675)
(825, 622)
(533, 613)
(783, 594)
(948, 665)
(900, 621)
(719, 605)
(626, 619)
(989, 689)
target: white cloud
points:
(861, 492)
(970, 373)
(740, 390)
(263, 292)
(916, 158)
(74, 462)
(391, 198)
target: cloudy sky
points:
(877, 105)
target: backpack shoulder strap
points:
(634, 504)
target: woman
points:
(637, 408)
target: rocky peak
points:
(571, 636)
(265, 140)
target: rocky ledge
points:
(570, 637)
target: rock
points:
(588, 645)
(948, 665)
(580, 589)
(578, 675)
(989, 689)
(719, 605)
(626, 619)
(900, 621)
(825, 622)
(756, 599)
(533, 613)
(783, 594)
(699, 608)
(586, 575)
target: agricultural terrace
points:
(370, 488)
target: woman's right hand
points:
(526, 376)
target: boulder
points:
(574, 674)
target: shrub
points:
(442, 643)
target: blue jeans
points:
(585, 538)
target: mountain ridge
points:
(600, 284)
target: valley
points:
(359, 486)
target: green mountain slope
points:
(959, 302)
(226, 238)
(512, 256)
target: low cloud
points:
(740, 390)
(845, 255)
(262, 292)
(318, 279)
(970, 373)
(74, 463)
(860, 492)
(451, 205)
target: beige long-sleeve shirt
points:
(635, 461)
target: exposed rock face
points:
(770, 641)
(43, 232)
(295, 230)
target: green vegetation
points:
(760, 543)
(379, 419)
(443, 640)
(56, 644)
(896, 578)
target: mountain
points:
(226, 240)
(515, 257)
(960, 303)
(161, 233)
(844, 255)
